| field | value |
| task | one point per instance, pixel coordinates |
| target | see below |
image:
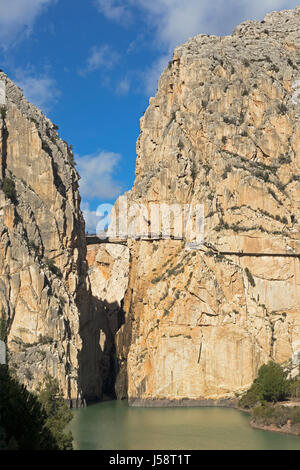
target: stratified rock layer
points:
(223, 130)
(42, 246)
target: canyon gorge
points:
(156, 321)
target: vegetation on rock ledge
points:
(271, 386)
(9, 189)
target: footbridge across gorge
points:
(95, 240)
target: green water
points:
(114, 425)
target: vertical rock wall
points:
(222, 130)
(44, 290)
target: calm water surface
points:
(114, 425)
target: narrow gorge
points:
(158, 322)
(47, 306)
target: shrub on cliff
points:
(3, 112)
(50, 263)
(9, 189)
(3, 326)
(271, 385)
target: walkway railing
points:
(92, 239)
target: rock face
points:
(160, 321)
(108, 274)
(223, 130)
(44, 302)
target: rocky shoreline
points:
(184, 402)
(285, 429)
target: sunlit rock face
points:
(43, 291)
(222, 130)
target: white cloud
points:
(100, 56)
(90, 217)
(137, 44)
(97, 175)
(114, 9)
(258, 9)
(175, 21)
(123, 87)
(17, 18)
(40, 90)
(152, 75)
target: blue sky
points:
(91, 65)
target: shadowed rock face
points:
(44, 288)
(109, 274)
(222, 130)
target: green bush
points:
(32, 246)
(276, 415)
(22, 418)
(294, 388)
(193, 170)
(58, 413)
(3, 326)
(284, 159)
(3, 112)
(267, 415)
(50, 263)
(9, 189)
(227, 170)
(156, 279)
(32, 422)
(250, 399)
(271, 385)
(45, 339)
(282, 108)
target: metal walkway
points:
(95, 240)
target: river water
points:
(115, 425)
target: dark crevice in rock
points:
(98, 368)
(58, 181)
(5, 135)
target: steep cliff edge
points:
(222, 130)
(44, 288)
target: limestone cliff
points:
(223, 130)
(162, 320)
(108, 274)
(44, 302)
